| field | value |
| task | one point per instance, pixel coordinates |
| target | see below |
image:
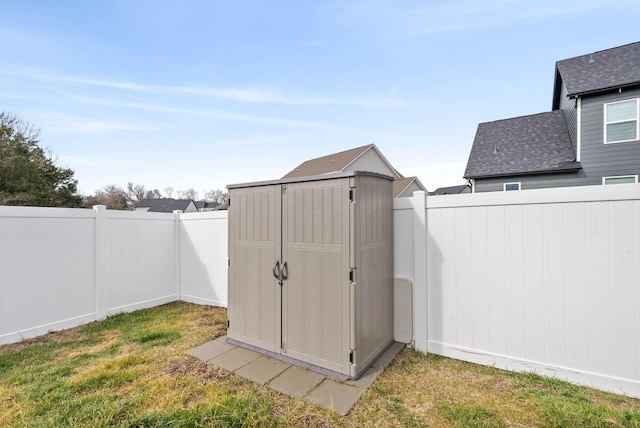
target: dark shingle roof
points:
(451, 190)
(164, 205)
(532, 144)
(599, 71)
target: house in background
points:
(404, 187)
(452, 190)
(591, 136)
(166, 205)
(203, 206)
(365, 158)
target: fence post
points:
(420, 307)
(176, 213)
(101, 262)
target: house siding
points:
(568, 107)
(528, 182)
(605, 160)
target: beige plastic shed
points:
(311, 269)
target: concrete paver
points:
(388, 355)
(340, 397)
(263, 369)
(290, 379)
(296, 381)
(366, 380)
(234, 359)
(211, 349)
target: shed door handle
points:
(276, 269)
(285, 271)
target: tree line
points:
(115, 197)
(29, 176)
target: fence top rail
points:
(206, 215)
(139, 215)
(402, 204)
(41, 212)
(619, 192)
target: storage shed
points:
(311, 269)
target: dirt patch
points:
(202, 371)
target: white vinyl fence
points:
(203, 258)
(63, 267)
(545, 280)
(540, 280)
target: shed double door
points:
(289, 283)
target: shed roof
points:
(598, 71)
(335, 162)
(538, 143)
(331, 176)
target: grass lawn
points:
(131, 370)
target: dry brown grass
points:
(132, 370)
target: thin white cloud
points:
(247, 95)
(241, 95)
(209, 114)
(414, 18)
(66, 124)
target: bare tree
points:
(117, 198)
(136, 193)
(190, 193)
(168, 192)
(111, 196)
(216, 196)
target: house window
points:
(621, 121)
(622, 179)
(511, 186)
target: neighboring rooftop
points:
(164, 205)
(599, 71)
(522, 145)
(337, 162)
(400, 185)
(452, 190)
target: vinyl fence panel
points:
(46, 270)
(141, 259)
(203, 258)
(545, 280)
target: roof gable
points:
(401, 184)
(599, 71)
(532, 144)
(337, 162)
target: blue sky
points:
(206, 93)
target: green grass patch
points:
(476, 416)
(153, 337)
(131, 370)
